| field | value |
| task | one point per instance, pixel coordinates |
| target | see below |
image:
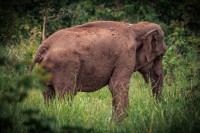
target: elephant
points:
(87, 57)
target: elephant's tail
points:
(31, 67)
(39, 56)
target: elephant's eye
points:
(161, 56)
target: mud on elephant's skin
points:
(90, 56)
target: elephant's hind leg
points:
(66, 88)
(65, 79)
(49, 93)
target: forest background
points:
(22, 30)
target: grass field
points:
(92, 112)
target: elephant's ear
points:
(149, 42)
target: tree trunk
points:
(44, 28)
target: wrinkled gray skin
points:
(90, 56)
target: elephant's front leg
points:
(119, 87)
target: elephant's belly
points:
(93, 79)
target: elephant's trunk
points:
(156, 76)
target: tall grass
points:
(94, 110)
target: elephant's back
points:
(83, 40)
(91, 32)
(91, 41)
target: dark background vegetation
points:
(23, 20)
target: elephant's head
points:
(149, 54)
